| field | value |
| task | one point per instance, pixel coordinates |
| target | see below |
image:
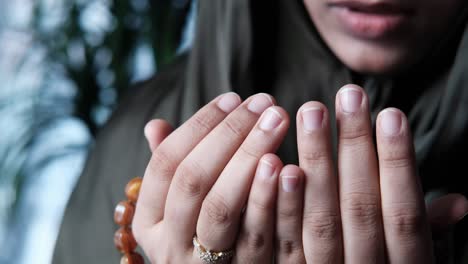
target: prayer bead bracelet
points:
(123, 216)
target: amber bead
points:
(124, 240)
(133, 189)
(123, 214)
(132, 258)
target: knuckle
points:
(323, 224)
(289, 248)
(363, 209)
(265, 207)
(201, 122)
(253, 246)
(316, 157)
(235, 127)
(162, 162)
(289, 213)
(396, 160)
(250, 152)
(217, 210)
(355, 137)
(405, 222)
(190, 175)
(255, 241)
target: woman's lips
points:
(370, 21)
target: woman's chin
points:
(375, 61)
(374, 67)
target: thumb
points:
(156, 131)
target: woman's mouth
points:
(371, 21)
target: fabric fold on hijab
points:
(294, 65)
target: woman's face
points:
(382, 36)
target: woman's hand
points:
(379, 212)
(371, 210)
(201, 177)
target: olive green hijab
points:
(276, 49)
(248, 47)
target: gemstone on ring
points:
(211, 257)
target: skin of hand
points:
(214, 177)
(368, 210)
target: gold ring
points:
(211, 257)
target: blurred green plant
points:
(98, 56)
(90, 47)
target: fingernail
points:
(391, 122)
(312, 118)
(289, 183)
(351, 99)
(229, 102)
(260, 103)
(270, 120)
(266, 170)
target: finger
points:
(220, 214)
(170, 153)
(358, 179)
(200, 169)
(255, 242)
(406, 228)
(446, 211)
(445, 215)
(289, 246)
(156, 131)
(322, 225)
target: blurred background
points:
(64, 66)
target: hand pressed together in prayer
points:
(216, 177)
